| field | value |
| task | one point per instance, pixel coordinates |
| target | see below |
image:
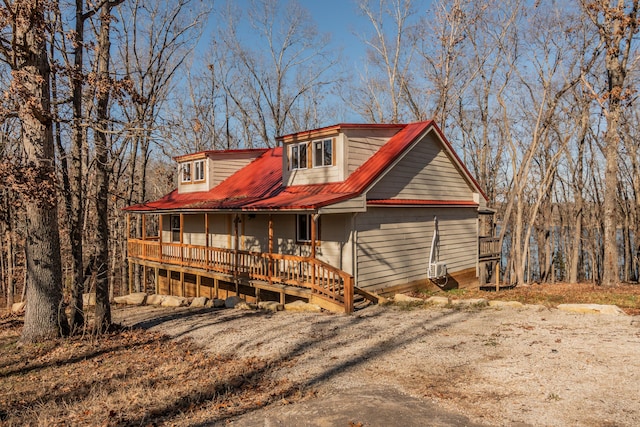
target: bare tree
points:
(26, 53)
(101, 141)
(267, 82)
(617, 25)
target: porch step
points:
(360, 302)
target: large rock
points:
(438, 300)
(218, 303)
(407, 298)
(173, 301)
(89, 299)
(243, 305)
(155, 299)
(18, 307)
(199, 302)
(301, 306)
(271, 306)
(470, 302)
(613, 310)
(507, 304)
(137, 298)
(231, 302)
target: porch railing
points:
(489, 248)
(324, 280)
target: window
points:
(303, 228)
(175, 228)
(198, 167)
(323, 153)
(299, 156)
(186, 172)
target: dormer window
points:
(198, 166)
(323, 153)
(299, 156)
(185, 172)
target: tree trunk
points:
(75, 201)
(44, 317)
(103, 309)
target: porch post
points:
(157, 274)
(236, 257)
(206, 240)
(270, 272)
(160, 236)
(314, 233)
(181, 236)
(144, 236)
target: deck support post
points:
(130, 276)
(157, 283)
(198, 282)
(215, 287)
(497, 274)
(144, 277)
(182, 293)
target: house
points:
(347, 209)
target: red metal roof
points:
(258, 186)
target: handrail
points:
(489, 247)
(324, 280)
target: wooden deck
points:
(489, 248)
(330, 287)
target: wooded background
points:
(538, 98)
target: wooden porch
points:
(306, 277)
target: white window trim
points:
(199, 166)
(313, 149)
(292, 166)
(183, 169)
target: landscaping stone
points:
(301, 306)
(509, 304)
(243, 305)
(438, 300)
(137, 298)
(88, 299)
(406, 298)
(173, 301)
(478, 302)
(18, 307)
(155, 299)
(271, 306)
(613, 310)
(199, 302)
(231, 302)
(218, 303)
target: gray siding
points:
(393, 243)
(426, 172)
(362, 144)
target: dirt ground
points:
(388, 365)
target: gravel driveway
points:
(387, 365)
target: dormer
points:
(332, 153)
(204, 170)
